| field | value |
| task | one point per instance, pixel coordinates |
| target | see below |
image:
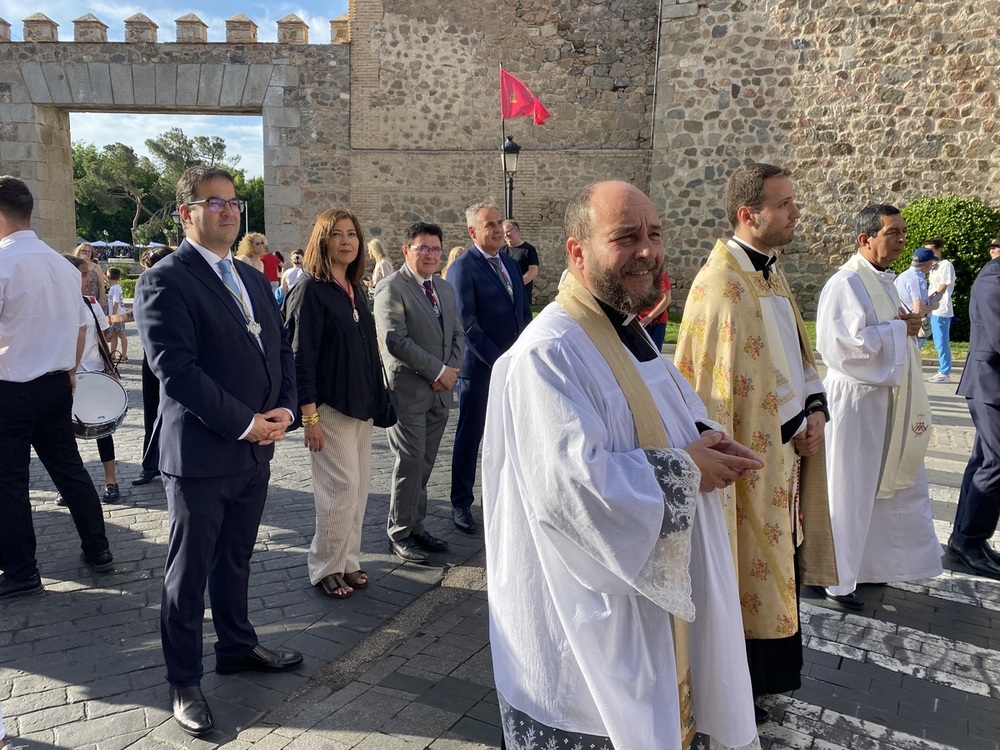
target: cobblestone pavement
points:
(405, 663)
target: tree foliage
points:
(120, 195)
(966, 225)
(116, 179)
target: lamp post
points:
(508, 156)
(175, 232)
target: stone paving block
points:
(97, 729)
(446, 700)
(380, 669)
(408, 683)
(477, 731)
(837, 677)
(422, 720)
(486, 712)
(462, 687)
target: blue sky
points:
(243, 135)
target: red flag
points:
(516, 100)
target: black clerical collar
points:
(759, 260)
(635, 340)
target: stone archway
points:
(43, 80)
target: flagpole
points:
(503, 155)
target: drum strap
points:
(110, 368)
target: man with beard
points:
(593, 463)
(743, 346)
(494, 309)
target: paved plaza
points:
(405, 664)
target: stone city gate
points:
(43, 80)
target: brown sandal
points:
(333, 583)
(354, 579)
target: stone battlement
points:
(240, 29)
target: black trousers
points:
(213, 528)
(38, 414)
(150, 406)
(979, 499)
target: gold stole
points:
(909, 418)
(584, 309)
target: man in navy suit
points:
(213, 338)
(494, 310)
(979, 499)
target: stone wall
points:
(864, 102)
(425, 120)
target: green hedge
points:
(128, 288)
(966, 225)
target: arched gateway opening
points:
(42, 81)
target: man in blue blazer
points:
(213, 338)
(494, 310)
(979, 499)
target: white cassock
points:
(573, 510)
(891, 539)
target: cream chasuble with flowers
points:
(730, 350)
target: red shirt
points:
(272, 266)
(664, 287)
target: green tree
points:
(252, 191)
(96, 219)
(175, 151)
(120, 194)
(966, 225)
(116, 177)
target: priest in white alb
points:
(880, 417)
(614, 614)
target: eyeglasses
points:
(215, 205)
(424, 250)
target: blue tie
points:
(226, 269)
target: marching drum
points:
(99, 405)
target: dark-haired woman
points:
(339, 382)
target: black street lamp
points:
(175, 229)
(508, 155)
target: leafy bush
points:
(966, 225)
(128, 288)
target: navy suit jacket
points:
(213, 375)
(981, 376)
(491, 319)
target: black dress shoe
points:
(11, 588)
(976, 559)
(191, 711)
(463, 520)
(102, 562)
(429, 542)
(408, 550)
(992, 554)
(261, 660)
(849, 601)
(147, 476)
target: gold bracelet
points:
(308, 420)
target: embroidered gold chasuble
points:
(724, 351)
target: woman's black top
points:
(336, 358)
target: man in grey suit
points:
(421, 341)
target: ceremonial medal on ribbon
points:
(254, 327)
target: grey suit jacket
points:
(414, 347)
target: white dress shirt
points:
(41, 310)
